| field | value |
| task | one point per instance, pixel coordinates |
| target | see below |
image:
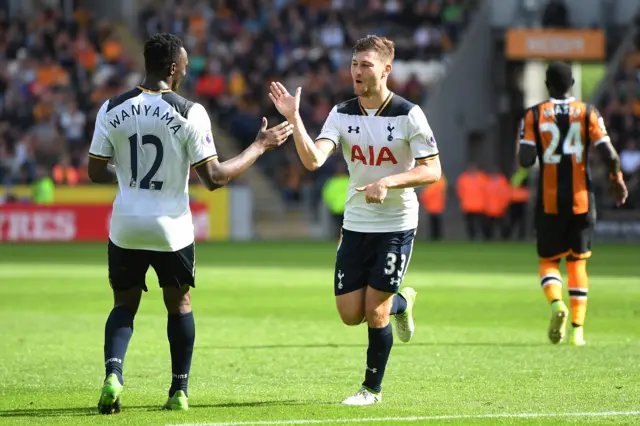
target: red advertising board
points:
(76, 222)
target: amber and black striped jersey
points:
(563, 131)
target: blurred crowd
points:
(55, 72)
(620, 108)
(237, 47)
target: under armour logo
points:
(373, 370)
(340, 277)
(395, 281)
(390, 130)
(357, 129)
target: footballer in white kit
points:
(389, 149)
(154, 136)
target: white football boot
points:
(405, 326)
(363, 397)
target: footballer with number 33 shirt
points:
(389, 149)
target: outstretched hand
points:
(275, 136)
(286, 104)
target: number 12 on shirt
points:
(146, 182)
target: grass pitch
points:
(270, 346)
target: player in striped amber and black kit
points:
(560, 132)
(389, 149)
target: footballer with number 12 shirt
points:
(153, 135)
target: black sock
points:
(399, 305)
(117, 334)
(181, 331)
(380, 343)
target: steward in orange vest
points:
(471, 190)
(520, 196)
(434, 199)
(498, 200)
(65, 175)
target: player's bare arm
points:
(100, 171)
(214, 174)
(527, 151)
(313, 155)
(611, 159)
(426, 172)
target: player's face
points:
(368, 72)
(180, 70)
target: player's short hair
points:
(385, 48)
(161, 50)
(559, 76)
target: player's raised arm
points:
(204, 158)
(214, 174)
(100, 152)
(598, 134)
(527, 151)
(313, 155)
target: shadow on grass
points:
(364, 345)
(64, 412)
(92, 411)
(261, 404)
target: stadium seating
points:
(620, 107)
(238, 47)
(58, 73)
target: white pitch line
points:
(417, 418)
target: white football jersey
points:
(377, 144)
(153, 137)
